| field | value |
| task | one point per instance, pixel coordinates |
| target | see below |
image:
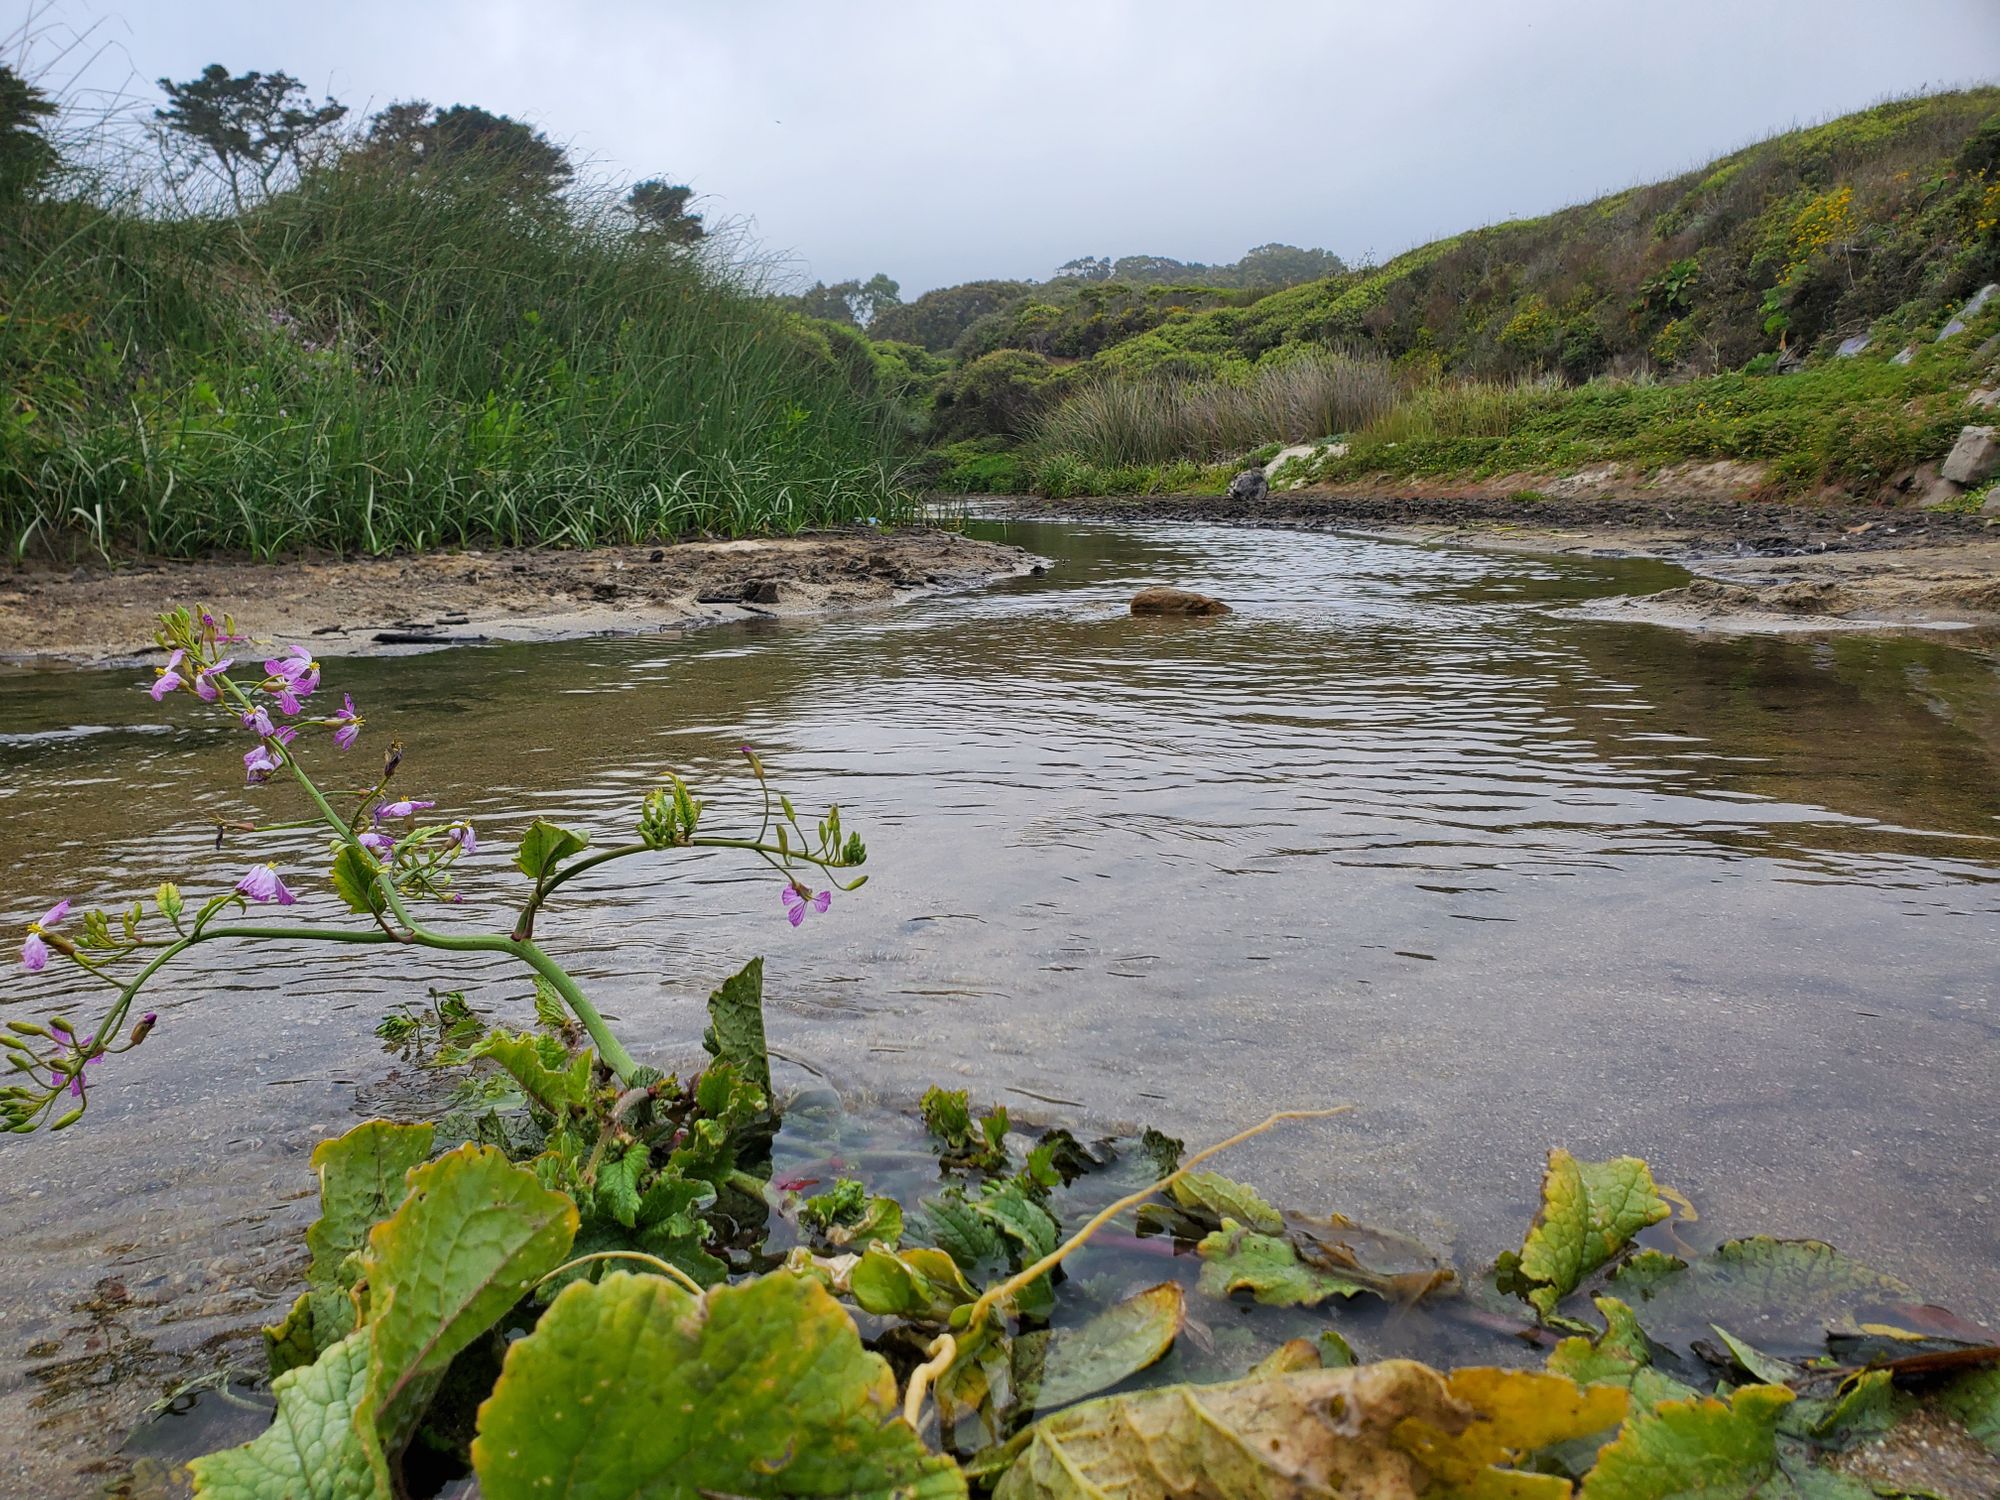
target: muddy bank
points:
(1757, 567)
(350, 605)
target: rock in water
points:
(1249, 485)
(1159, 601)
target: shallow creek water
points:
(1388, 834)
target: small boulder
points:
(1164, 601)
(1984, 400)
(1249, 485)
(1851, 347)
(1974, 458)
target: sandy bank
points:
(98, 614)
(1757, 567)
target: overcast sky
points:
(942, 140)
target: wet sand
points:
(105, 613)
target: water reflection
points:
(1386, 834)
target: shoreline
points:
(1756, 568)
(103, 615)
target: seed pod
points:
(69, 1119)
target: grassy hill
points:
(1647, 327)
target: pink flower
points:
(408, 808)
(169, 677)
(204, 683)
(797, 898)
(465, 838)
(261, 884)
(346, 724)
(34, 951)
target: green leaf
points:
(168, 899)
(470, 1241)
(1701, 1449)
(363, 1176)
(633, 1387)
(1783, 1293)
(1864, 1408)
(1975, 1400)
(1590, 1211)
(1238, 1259)
(953, 1227)
(1310, 1433)
(920, 1283)
(1119, 1342)
(353, 877)
(617, 1188)
(1760, 1365)
(545, 845)
(1224, 1199)
(288, 1343)
(311, 1450)
(1619, 1356)
(557, 1089)
(735, 1031)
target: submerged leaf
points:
(1590, 1211)
(1315, 1432)
(735, 1031)
(1619, 1356)
(1223, 1199)
(1701, 1449)
(1119, 1342)
(311, 1451)
(1780, 1294)
(363, 1176)
(632, 1386)
(470, 1241)
(1238, 1259)
(921, 1283)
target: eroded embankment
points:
(1758, 567)
(105, 613)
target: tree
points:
(1152, 270)
(1278, 265)
(1086, 268)
(853, 302)
(661, 210)
(412, 136)
(249, 130)
(936, 319)
(25, 153)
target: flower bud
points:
(27, 1028)
(142, 1028)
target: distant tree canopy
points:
(857, 302)
(416, 137)
(935, 320)
(1267, 267)
(26, 156)
(661, 208)
(249, 131)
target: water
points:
(1386, 835)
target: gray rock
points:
(1851, 347)
(1983, 400)
(1249, 485)
(1904, 356)
(1973, 306)
(1974, 458)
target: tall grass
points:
(373, 362)
(1127, 421)
(1465, 408)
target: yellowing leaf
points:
(1514, 1413)
(311, 1450)
(471, 1239)
(363, 1176)
(1312, 1433)
(1237, 1259)
(1590, 1211)
(1702, 1449)
(633, 1387)
(1225, 1199)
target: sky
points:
(942, 140)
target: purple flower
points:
(259, 720)
(34, 951)
(169, 678)
(204, 679)
(221, 637)
(260, 762)
(76, 1082)
(798, 898)
(465, 838)
(347, 724)
(407, 808)
(293, 665)
(378, 844)
(291, 689)
(261, 883)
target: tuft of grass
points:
(369, 363)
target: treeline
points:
(247, 320)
